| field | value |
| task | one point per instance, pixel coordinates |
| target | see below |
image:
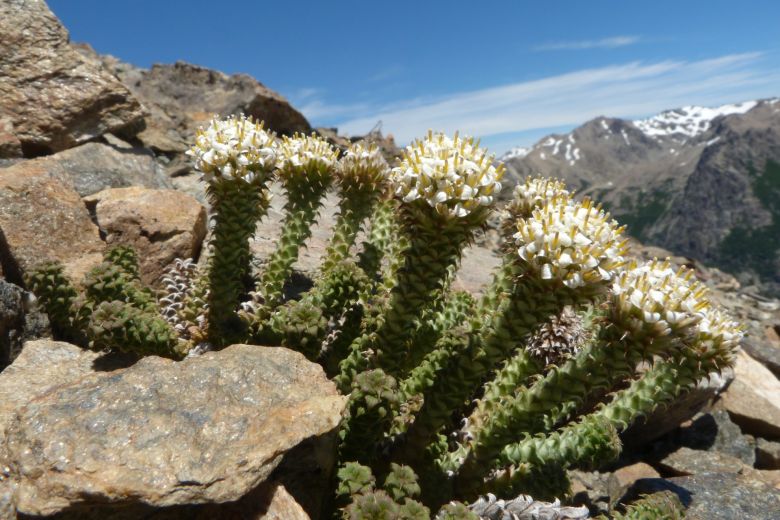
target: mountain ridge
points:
(701, 182)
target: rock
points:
(93, 167)
(192, 186)
(687, 461)
(753, 399)
(20, 321)
(764, 351)
(209, 429)
(181, 97)
(54, 96)
(623, 478)
(767, 454)
(269, 229)
(42, 365)
(718, 496)
(666, 419)
(42, 218)
(590, 488)
(284, 507)
(476, 269)
(7, 501)
(160, 224)
(10, 145)
(269, 501)
(714, 431)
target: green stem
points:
(304, 199)
(356, 205)
(479, 349)
(587, 444)
(384, 241)
(238, 206)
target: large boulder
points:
(42, 218)
(160, 224)
(162, 434)
(51, 96)
(181, 97)
(93, 167)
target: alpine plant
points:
(459, 406)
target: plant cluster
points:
(451, 397)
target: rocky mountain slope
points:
(702, 182)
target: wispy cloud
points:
(628, 90)
(386, 73)
(603, 43)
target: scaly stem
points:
(238, 206)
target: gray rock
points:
(42, 218)
(94, 167)
(714, 431)
(53, 96)
(666, 419)
(719, 496)
(209, 429)
(20, 321)
(767, 454)
(181, 97)
(753, 399)
(687, 461)
(42, 365)
(764, 351)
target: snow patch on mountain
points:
(691, 120)
(517, 151)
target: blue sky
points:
(506, 71)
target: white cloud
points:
(604, 43)
(629, 90)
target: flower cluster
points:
(573, 242)
(654, 298)
(234, 148)
(534, 193)
(304, 155)
(718, 335)
(364, 164)
(452, 175)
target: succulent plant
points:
(451, 398)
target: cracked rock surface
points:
(209, 429)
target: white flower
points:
(534, 193)
(657, 299)
(364, 164)
(719, 334)
(573, 242)
(452, 175)
(305, 155)
(234, 148)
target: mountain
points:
(701, 182)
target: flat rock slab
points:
(161, 225)
(54, 97)
(161, 433)
(42, 218)
(753, 399)
(719, 496)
